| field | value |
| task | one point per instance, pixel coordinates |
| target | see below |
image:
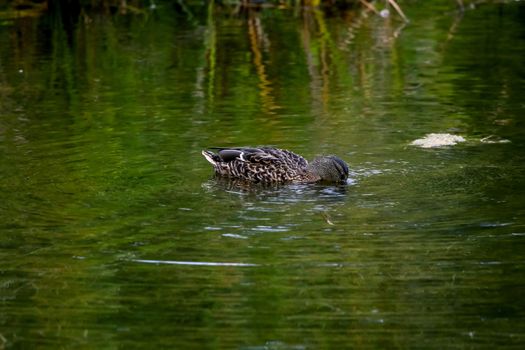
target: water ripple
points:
(192, 263)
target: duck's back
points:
(260, 164)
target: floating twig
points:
(398, 9)
(369, 6)
(327, 218)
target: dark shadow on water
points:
(258, 205)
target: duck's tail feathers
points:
(210, 157)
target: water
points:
(115, 234)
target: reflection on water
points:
(259, 203)
(276, 193)
(113, 234)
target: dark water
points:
(114, 234)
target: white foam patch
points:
(437, 140)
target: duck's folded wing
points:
(245, 154)
(262, 155)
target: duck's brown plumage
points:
(274, 165)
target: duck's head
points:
(329, 168)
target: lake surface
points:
(115, 234)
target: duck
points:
(269, 165)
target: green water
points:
(115, 234)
